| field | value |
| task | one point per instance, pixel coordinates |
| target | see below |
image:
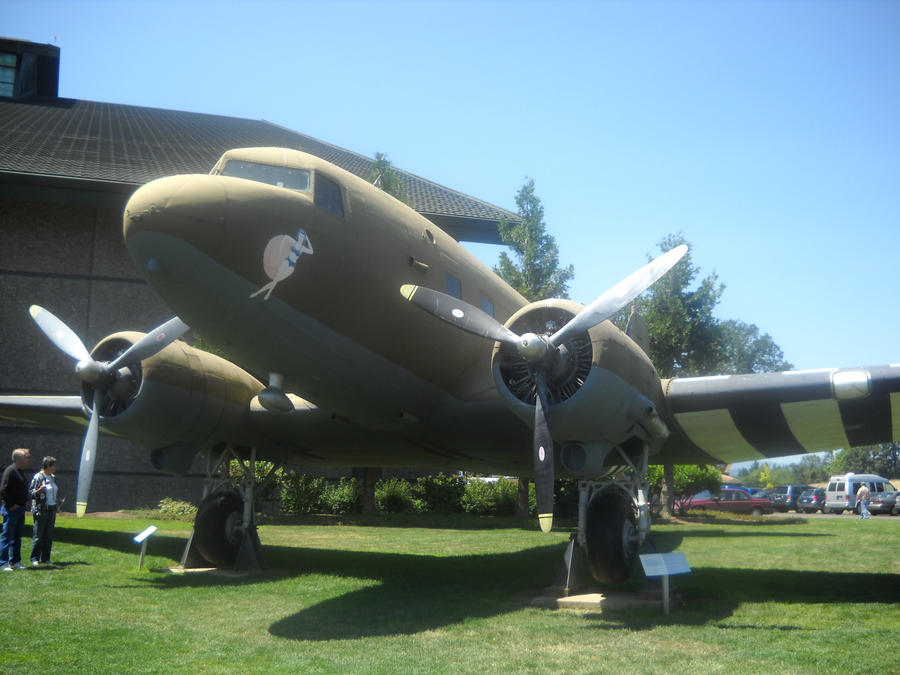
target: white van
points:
(840, 495)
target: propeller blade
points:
(543, 455)
(458, 313)
(153, 342)
(619, 295)
(59, 333)
(88, 456)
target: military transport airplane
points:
(318, 286)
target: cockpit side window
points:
(328, 195)
(279, 176)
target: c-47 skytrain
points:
(319, 286)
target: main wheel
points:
(217, 528)
(611, 538)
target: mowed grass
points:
(806, 595)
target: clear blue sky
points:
(768, 133)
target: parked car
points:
(884, 502)
(784, 498)
(811, 500)
(733, 500)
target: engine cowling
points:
(175, 402)
(603, 394)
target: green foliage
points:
(385, 178)
(686, 339)
(883, 459)
(439, 494)
(393, 495)
(301, 493)
(172, 509)
(496, 498)
(535, 273)
(689, 480)
(261, 471)
(343, 497)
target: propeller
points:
(542, 353)
(104, 377)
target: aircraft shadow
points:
(711, 594)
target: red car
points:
(733, 500)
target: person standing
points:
(862, 498)
(13, 499)
(44, 504)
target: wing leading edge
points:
(746, 417)
(61, 413)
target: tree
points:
(385, 178)
(883, 459)
(684, 336)
(688, 480)
(744, 350)
(536, 273)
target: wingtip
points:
(407, 290)
(80, 508)
(546, 522)
(34, 310)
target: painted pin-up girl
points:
(280, 258)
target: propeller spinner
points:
(102, 377)
(542, 352)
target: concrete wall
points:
(71, 260)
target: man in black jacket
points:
(13, 499)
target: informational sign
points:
(146, 533)
(664, 564)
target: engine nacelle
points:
(603, 392)
(175, 402)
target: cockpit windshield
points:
(279, 176)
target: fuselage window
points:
(328, 195)
(487, 306)
(279, 176)
(454, 286)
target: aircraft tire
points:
(217, 528)
(611, 544)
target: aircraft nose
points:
(187, 207)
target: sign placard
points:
(664, 564)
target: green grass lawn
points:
(409, 594)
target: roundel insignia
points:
(458, 313)
(541, 455)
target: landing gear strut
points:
(613, 525)
(224, 533)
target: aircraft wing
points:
(746, 417)
(60, 413)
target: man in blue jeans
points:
(13, 499)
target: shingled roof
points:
(115, 148)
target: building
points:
(67, 167)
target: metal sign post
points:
(664, 565)
(142, 540)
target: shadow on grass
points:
(413, 593)
(712, 594)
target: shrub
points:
(301, 494)
(172, 509)
(497, 498)
(439, 494)
(393, 495)
(343, 498)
